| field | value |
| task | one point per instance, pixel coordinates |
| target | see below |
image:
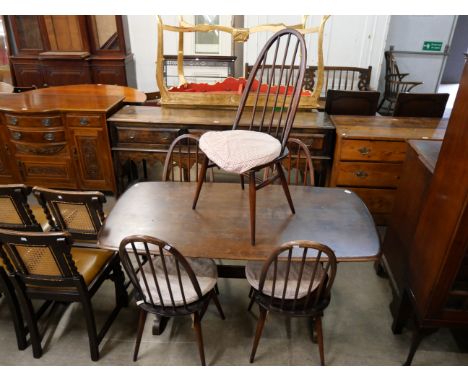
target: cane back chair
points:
(295, 280)
(344, 102)
(167, 284)
(429, 105)
(269, 115)
(45, 266)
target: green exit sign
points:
(433, 46)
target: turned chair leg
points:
(252, 200)
(258, 333)
(284, 183)
(198, 331)
(141, 326)
(201, 179)
(218, 305)
(318, 329)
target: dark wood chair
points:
(269, 115)
(430, 105)
(345, 102)
(167, 284)
(295, 280)
(45, 266)
(78, 212)
(298, 166)
(394, 83)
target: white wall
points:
(348, 41)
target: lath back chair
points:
(43, 265)
(167, 284)
(344, 102)
(78, 212)
(429, 105)
(268, 111)
(295, 280)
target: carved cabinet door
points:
(92, 157)
(7, 175)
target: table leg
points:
(159, 324)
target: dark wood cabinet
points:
(64, 50)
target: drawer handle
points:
(49, 137)
(364, 151)
(13, 121)
(131, 136)
(16, 135)
(46, 122)
(84, 121)
(361, 174)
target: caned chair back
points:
(15, 213)
(39, 259)
(160, 274)
(298, 276)
(183, 159)
(274, 86)
(344, 102)
(430, 105)
(78, 212)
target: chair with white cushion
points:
(167, 284)
(263, 121)
(295, 280)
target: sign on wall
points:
(433, 46)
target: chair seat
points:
(253, 270)
(90, 261)
(205, 271)
(239, 150)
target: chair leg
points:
(31, 322)
(118, 277)
(252, 300)
(250, 292)
(284, 183)
(201, 179)
(252, 200)
(218, 305)
(141, 326)
(198, 332)
(91, 325)
(318, 329)
(381, 104)
(242, 181)
(258, 333)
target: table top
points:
(219, 227)
(207, 117)
(130, 95)
(383, 127)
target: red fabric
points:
(231, 84)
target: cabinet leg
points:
(418, 335)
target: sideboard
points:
(57, 141)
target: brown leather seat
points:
(90, 261)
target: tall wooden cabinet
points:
(425, 250)
(62, 50)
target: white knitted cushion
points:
(239, 150)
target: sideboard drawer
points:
(315, 142)
(369, 150)
(145, 135)
(368, 174)
(76, 120)
(45, 120)
(35, 135)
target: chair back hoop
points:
(15, 213)
(346, 102)
(311, 286)
(184, 153)
(39, 258)
(138, 254)
(285, 76)
(78, 212)
(429, 105)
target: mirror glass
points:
(105, 32)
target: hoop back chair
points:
(268, 112)
(394, 82)
(78, 212)
(295, 280)
(429, 105)
(167, 284)
(344, 102)
(45, 266)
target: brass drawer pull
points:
(13, 121)
(361, 174)
(131, 136)
(49, 137)
(46, 122)
(364, 151)
(84, 121)
(16, 135)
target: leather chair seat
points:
(89, 261)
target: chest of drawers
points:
(369, 153)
